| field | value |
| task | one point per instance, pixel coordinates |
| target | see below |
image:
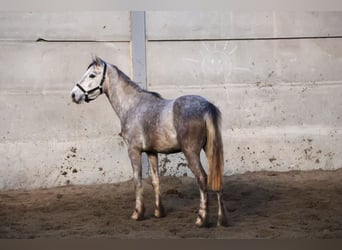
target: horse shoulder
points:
(131, 127)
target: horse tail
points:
(214, 148)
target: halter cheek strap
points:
(100, 87)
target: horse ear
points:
(98, 60)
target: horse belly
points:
(166, 142)
(163, 137)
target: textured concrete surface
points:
(275, 76)
(195, 25)
(46, 140)
(66, 26)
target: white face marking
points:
(90, 80)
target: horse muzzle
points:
(77, 96)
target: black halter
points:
(87, 92)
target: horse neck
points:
(121, 92)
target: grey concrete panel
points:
(280, 98)
(281, 150)
(54, 66)
(169, 25)
(260, 62)
(248, 107)
(80, 25)
(38, 132)
(190, 25)
(308, 24)
(268, 149)
(49, 163)
(40, 125)
(272, 128)
(36, 117)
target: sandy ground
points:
(261, 205)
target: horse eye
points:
(92, 76)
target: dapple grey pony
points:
(152, 124)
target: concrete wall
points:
(275, 76)
(46, 140)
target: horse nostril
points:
(73, 95)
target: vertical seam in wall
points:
(138, 47)
(138, 61)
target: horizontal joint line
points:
(244, 39)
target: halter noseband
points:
(100, 87)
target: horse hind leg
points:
(222, 213)
(197, 169)
(159, 210)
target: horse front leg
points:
(135, 157)
(159, 210)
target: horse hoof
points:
(137, 216)
(159, 212)
(201, 222)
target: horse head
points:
(90, 86)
